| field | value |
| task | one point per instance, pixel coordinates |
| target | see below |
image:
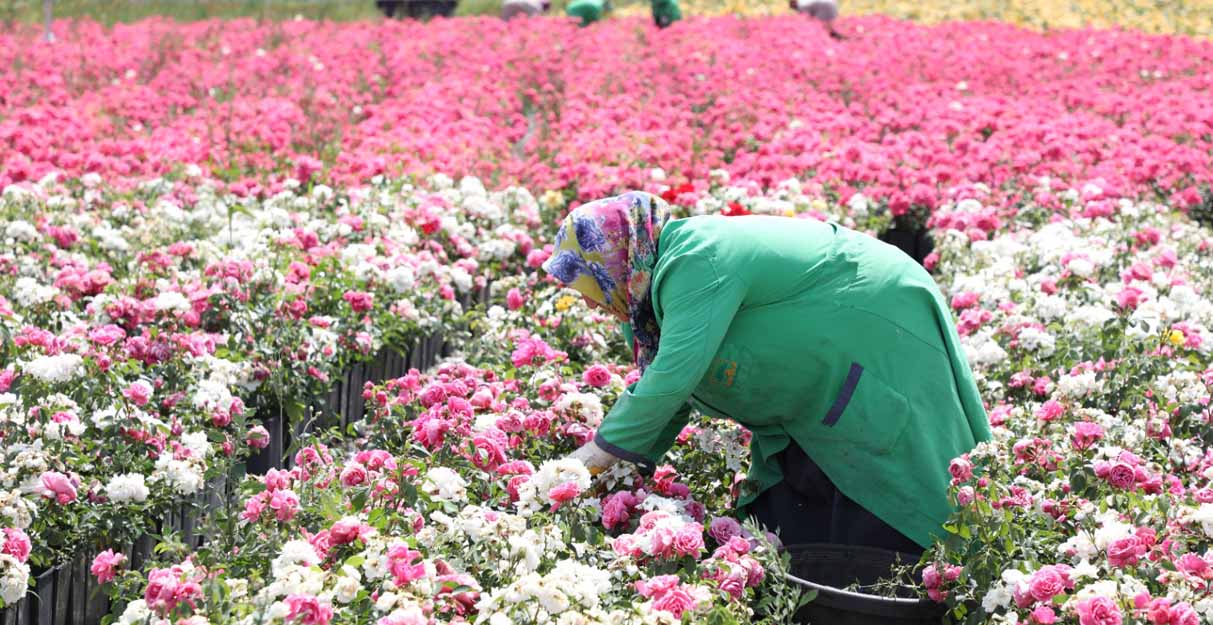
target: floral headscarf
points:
(607, 250)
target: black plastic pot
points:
(830, 568)
(916, 243)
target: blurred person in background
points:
(530, 8)
(588, 11)
(824, 11)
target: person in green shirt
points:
(835, 350)
(588, 11)
(665, 12)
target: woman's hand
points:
(594, 458)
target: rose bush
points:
(1089, 335)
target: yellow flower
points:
(565, 302)
(552, 199)
(1176, 338)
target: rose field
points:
(276, 347)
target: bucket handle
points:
(892, 601)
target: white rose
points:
(60, 368)
(127, 487)
(14, 577)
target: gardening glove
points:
(594, 458)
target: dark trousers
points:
(807, 508)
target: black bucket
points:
(915, 242)
(828, 569)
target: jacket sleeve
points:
(696, 304)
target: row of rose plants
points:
(145, 333)
(901, 110)
(1090, 335)
(452, 504)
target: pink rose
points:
(359, 301)
(138, 393)
(689, 540)
(168, 587)
(1044, 615)
(400, 563)
(675, 602)
(961, 470)
(661, 542)
(1129, 298)
(308, 610)
(107, 334)
(964, 299)
(1184, 614)
(1048, 582)
(353, 474)
(724, 528)
(16, 543)
(258, 437)
(1158, 611)
(1125, 552)
(625, 545)
(734, 584)
(754, 571)
(345, 532)
(562, 493)
(515, 467)
(931, 578)
(490, 448)
(105, 565)
(160, 591)
(1098, 611)
(537, 257)
(322, 542)
(1122, 476)
(276, 479)
(285, 504)
(514, 299)
(1194, 565)
(656, 586)
(965, 495)
(254, 507)
(58, 486)
(597, 376)
(617, 509)
(1050, 411)
(1084, 434)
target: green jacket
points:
(807, 331)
